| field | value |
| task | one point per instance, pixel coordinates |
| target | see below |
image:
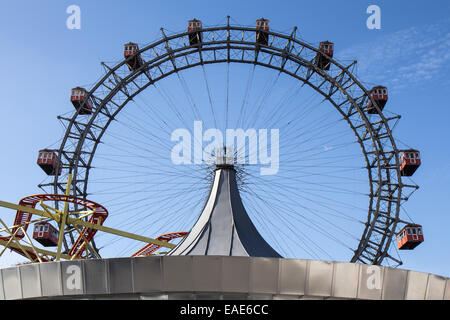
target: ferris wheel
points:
(340, 178)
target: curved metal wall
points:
(217, 277)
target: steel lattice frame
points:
(284, 53)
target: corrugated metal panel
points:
(120, 275)
(435, 288)
(217, 277)
(417, 285)
(2, 291)
(30, 280)
(447, 290)
(320, 278)
(346, 279)
(51, 279)
(11, 282)
(236, 274)
(177, 273)
(147, 274)
(207, 273)
(394, 284)
(96, 276)
(293, 276)
(264, 273)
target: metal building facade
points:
(217, 277)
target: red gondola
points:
(410, 237)
(195, 26)
(48, 161)
(326, 49)
(79, 96)
(380, 95)
(134, 59)
(45, 234)
(410, 161)
(262, 28)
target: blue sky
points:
(42, 60)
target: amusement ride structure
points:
(64, 217)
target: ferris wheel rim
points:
(231, 44)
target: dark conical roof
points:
(224, 228)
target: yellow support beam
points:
(31, 244)
(119, 232)
(8, 242)
(13, 237)
(22, 225)
(63, 218)
(28, 210)
(86, 243)
(41, 251)
(47, 209)
(87, 224)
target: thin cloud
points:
(404, 58)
